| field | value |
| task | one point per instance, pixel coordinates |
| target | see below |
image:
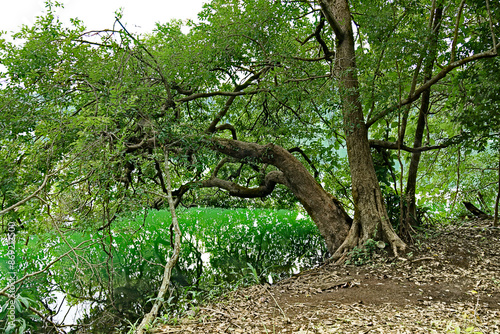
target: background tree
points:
(479, 117)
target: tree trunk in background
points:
(370, 219)
(411, 185)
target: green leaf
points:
(11, 327)
(22, 327)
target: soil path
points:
(450, 283)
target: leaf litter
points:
(449, 283)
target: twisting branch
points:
(181, 90)
(219, 166)
(329, 55)
(159, 173)
(266, 188)
(229, 127)
(305, 40)
(145, 143)
(234, 189)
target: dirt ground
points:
(449, 283)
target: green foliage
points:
(363, 255)
(221, 249)
(15, 316)
(256, 241)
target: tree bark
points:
(324, 209)
(370, 219)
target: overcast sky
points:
(139, 15)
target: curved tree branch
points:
(329, 55)
(397, 146)
(229, 127)
(234, 189)
(145, 143)
(219, 166)
(447, 69)
(26, 199)
(42, 186)
(181, 90)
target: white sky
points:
(139, 15)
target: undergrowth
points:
(123, 265)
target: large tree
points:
(244, 101)
(370, 217)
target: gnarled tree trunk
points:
(325, 210)
(370, 220)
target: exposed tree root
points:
(392, 238)
(348, 245)
(356, 239)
